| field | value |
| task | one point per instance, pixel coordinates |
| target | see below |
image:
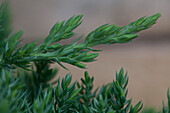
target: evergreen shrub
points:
(32, 91)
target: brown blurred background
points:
(147, 58)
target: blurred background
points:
(147, 58)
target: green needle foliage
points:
(31, 90)
(5, 25)
(75, 54)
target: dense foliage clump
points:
(31, 90)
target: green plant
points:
(32, 90)
(167, 109)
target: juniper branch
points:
(74, 54)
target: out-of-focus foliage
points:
(32, 91)
(149, 110)
(5, 24)
(166, 109)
